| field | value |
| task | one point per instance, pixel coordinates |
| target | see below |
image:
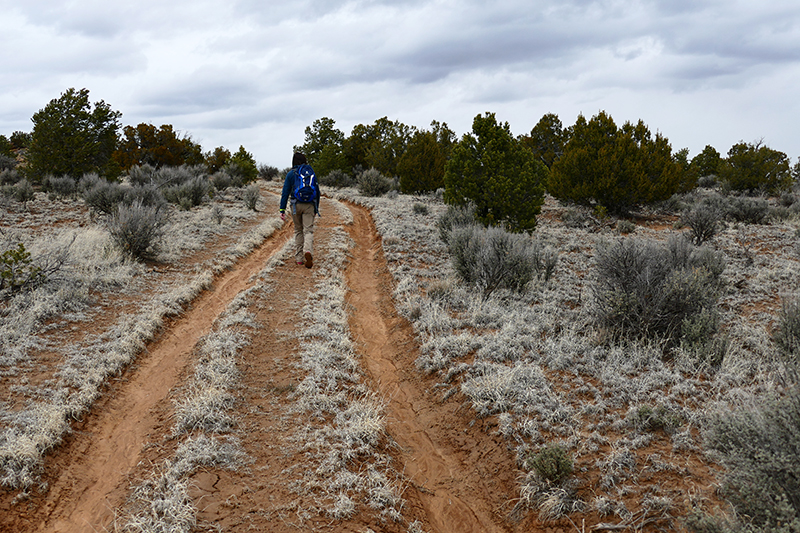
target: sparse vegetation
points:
(552, 463)
(372, 183)
(643, 290)
(251, 197)
(491, 258)
(17, 270)
(787, 334)
(137, 229)
(759, 446)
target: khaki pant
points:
(303, 218)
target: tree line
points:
(504, 177)
(593, 162)
(72, 137)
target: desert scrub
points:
(372, 183)
(787, 333)
(625, 227)
(337, 179)
(251, 197)
(17, 269)
(221, 180)
(660, 417)
(22, 191)
(163, 504)
(552, 463)
(646, 290)
(345, 428)
(703, 221)
(188, 194)
(748, 210)
(455, 216)
(492, 258)
(62, 187)
(759, 446)
(137, 229)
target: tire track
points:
(93, 484)
(452, 490)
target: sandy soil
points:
(457, 480)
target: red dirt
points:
(460, 475)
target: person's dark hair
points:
(298, 159)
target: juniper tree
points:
(617, 168)
(494, 171)
(70, 137)
(751, 167)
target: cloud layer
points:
(246, 73)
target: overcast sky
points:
(258, 72)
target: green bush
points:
(495, 172)
(242, 165)
(373, 183)
(491, 258)
(71, 137)
(646, 290)
(617, 168)
(17, 269)
(659, 418)
(759, 448)
(421, 167)
(552, 463)
(755, 167)
(137, 229)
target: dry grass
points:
(93, 271)
(540, 364)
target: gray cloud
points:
(253, 67)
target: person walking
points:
(300, 186)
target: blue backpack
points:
(305, 184)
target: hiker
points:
(301, 185)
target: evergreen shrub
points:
(188, 194)
(337, 179)
(552, 463)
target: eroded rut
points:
(87, 492)
(447, 481)
(454, 467)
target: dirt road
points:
(453, 477)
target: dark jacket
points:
(288, 191)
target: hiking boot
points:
(309, 260)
